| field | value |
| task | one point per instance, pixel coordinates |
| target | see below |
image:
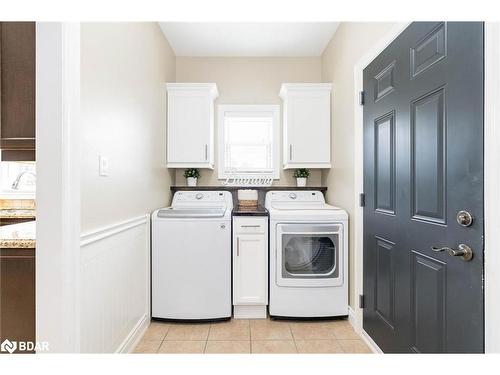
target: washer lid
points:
(191, 212)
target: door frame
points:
(491, 181)
(58, 186)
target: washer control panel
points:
(201, 197)
(295, 196)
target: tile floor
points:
(252, 336)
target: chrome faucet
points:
(17, 181)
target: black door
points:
(423, 164)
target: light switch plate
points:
(103, 165)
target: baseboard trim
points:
(133, 338)
(111, 230)
(359, 330)
(351, 317)
(371, 344)
(250, 312)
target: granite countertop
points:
(17, 209)
(247, 211)
(17, 213)
(21, 235)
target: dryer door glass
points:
(310, 255)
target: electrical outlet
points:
(103, 165)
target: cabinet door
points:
(250, 269)
(308, 130)
(190, 119)
(17, 90)
(17, 294)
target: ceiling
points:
(248, 39)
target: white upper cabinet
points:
(190, 128)
(306, 125)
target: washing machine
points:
(308, 260)
(191, 257)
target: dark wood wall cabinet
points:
(17, 91)
(17, 294)
(14, 220)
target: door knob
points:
(463, 251)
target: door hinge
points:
(361, 301)
(361, 98)
(362, 200)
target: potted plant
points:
(301, 176)
(192, 175)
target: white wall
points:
(248, 80)
(124, 67)
(348, 45)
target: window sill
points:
(223, 176)
(13, 194)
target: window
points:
(17, 178)
(248, 141)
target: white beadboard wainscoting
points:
(115, 286)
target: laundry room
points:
(248, 123)
(248, 136)
(245, 188)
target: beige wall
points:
(248, 80)
(123, 70)
(348, 45)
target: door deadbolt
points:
(464, 218)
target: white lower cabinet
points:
(250, 267)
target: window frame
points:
(256, 108)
